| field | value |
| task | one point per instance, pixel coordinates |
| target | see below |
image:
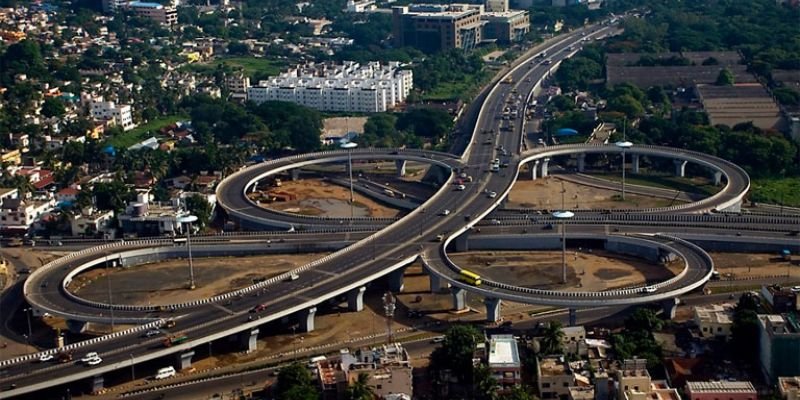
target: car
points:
(46, 357)
(495, 222)
(94, 361)
(460, 187)
(446, 212)
(90, 356)
(258, 308)
(649, 289)
(152, 332)
(437, 339)
(492, 194)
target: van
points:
(166, 372)
(293, 277)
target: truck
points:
(174, 339)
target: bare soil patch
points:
(546, 194)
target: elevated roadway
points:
(448, 212)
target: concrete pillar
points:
(400, 167)
(250, 340)
(533, 166)
(184, 360)
(462, 242)
(635, 163)
(669, 307)
(295, 174)
(459, 298)
(492, 309)
(76, 326)
(680, 167)
(581, 162)
(307, 319)
(573, 317)
(254, 187)
(355, 299)
(96, 383)
(396, 280)
(545, 164)
(717, 178)
(436, 283)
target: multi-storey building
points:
(726, 390)
(789, 387)
(348, 87)
(714, 320)
(779, 347)
(504, 362)
(435, 27)
(635, 383)
(555, 378)
(111, 6)
(108, 110)
(496, 5)
(506, 26)
(163, 14)
(16, 214)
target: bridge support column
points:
(635, 163)
(462, 242)
(400, 167)
(307, 319)
(355, 299)
(459, 298)
(184, 360)
(680, 168)
(436, 283)
(581, 162)
(396, 283)
(545, 165)
(254, 188)
(669, 307)
(250, 340)
(76, 326)
(295, 174)
(533, 166)
(492, 309)
(717, 178)
(573, 317)
(97, 383)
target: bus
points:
(470, 277)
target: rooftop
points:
(715, 313)
(787, 383)
(720, 387)
(503, 351)
(145, 4)
(553, 366)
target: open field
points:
(546, 194)
(250, 65)
(689, 185)
(166, 282)
(784, 191)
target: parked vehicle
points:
(166, 372)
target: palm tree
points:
(360, 389)
(484, 383)
(552, 340)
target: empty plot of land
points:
(546, 194)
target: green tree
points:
(456, 352)
(745, 328)
(484, 383)
(724, 78)
(53, 107)
(519, 393)
(360, 389)
(294, 383)
(198, 206)
(552, 339)
(380, 131)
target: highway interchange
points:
(401, 242)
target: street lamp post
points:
(349, 146)
(133, 371)
(188, 219)
(563, 215)
(30, 331)
(624, 145)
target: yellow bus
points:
(470, 277)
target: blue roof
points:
(566, 132)
(145, 4)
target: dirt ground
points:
(317, 197)
(745, 265)
(339, 126)
(595, 270)
(546, 194)
(166, 282)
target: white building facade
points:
(372, 87)
(108, 110)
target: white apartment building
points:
(372, 87)
(20, 215)
(106, 110)
(714, 320)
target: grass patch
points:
(463, 89)
(250, 65)
(142, 132)
(776, 191)
(663, 181)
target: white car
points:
(446, 212)
(649, 289)
(90, 356)
(492, 194)
(460, 187)
(45, 357)
(94, 361)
